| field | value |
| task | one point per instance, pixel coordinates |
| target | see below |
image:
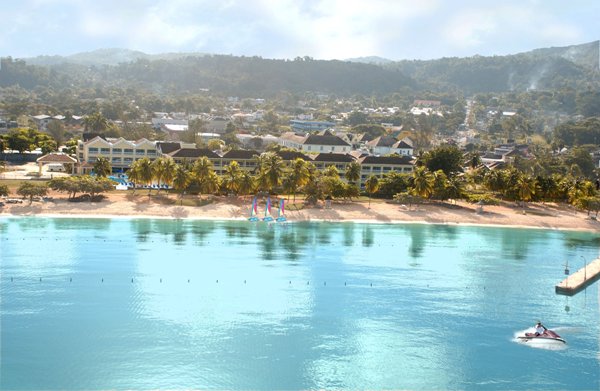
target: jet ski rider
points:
(539, 329)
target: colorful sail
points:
(253, 210)
(268, 210)
(280, 216)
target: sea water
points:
(138, 304)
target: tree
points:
(163, 170)
(247, 183)
(202, 171)
(4, 191)
(371, 186)
(181, 180)
(526, 189)
(95, 185)
(56, 129)
(270, 170)
(299, 175)
(95, 123)
(422, 182)
(352, 174)
(447, 158)
(215, 144)
(141, 172)
(102, 167)
(30, 190)
(231, 177)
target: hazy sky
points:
(323, 29)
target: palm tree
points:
(102, 167)
(141, 172)
(247, 183)
(299, 175)
(270, 170)
(422, 182)
(95, 122)
(232, 176)
(371, 186)
(169, 168)
(211, 183)
(331, 171)
(201, 171)
(526, 186)
(181, 180)
(352, 173)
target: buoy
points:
(290, 282)
(132, 280)
(307, 282)
(371, 284)
(40, 279)
(70, 280)
(188, 280)
(244, 281)
(11, 279)
(217, 281)
(102, 279)
(324, 282)
(344, 283)
(161, 280)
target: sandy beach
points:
(548, 216)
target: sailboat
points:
(280, 215)
(268, 217)
(253, 210)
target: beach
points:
(534, 215)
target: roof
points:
(167, 147)
(382, 141)
(399, 160)
(56, 157)
(293, 155)
(333, 157)
(240, 154)
(402, 145)
(194, 153)
(315, 139)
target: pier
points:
(580, 279)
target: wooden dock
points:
(580, 279)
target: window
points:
(117, 150)
(321, 148)
(128, 151)
(92, 160)
(140, 152)
(151, 152)
(308, 148)
(105, 151)
(93, 150)
(128, 160)
(116, 160)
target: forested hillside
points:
(543, 69)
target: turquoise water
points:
(158, 304)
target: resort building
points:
(381, 165)
(340, 161)
(119, 152)
(245, 158)
(190, 155)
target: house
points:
(190, 155)
(315, 143)
(386, 145)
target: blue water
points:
(101, 304)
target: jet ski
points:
(547, 336)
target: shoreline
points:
(116, 206)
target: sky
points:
(322, 29)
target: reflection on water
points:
(173, 304)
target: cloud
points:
(288, 28)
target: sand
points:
(534, 215)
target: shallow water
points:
(159, 304)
